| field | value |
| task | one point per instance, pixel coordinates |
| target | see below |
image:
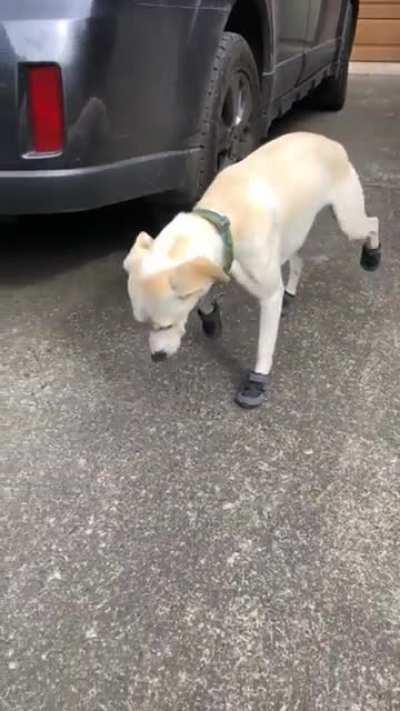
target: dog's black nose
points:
(158, 356)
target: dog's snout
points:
(158, 356)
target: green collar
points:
(223, 226)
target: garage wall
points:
(378, 31)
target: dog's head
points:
(164, 287)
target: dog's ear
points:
(142, 244)
(193, 276)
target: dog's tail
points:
(349, 207)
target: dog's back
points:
(296, 173)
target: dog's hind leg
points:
(349, 207)
(295, 270)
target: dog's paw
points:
(287, 303)
(212, 322)
(370, 258)
(252, 392)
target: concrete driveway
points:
(160, 549)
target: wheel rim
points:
(235, 135)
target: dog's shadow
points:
(216, 350)
(235, 330)
(38, 248)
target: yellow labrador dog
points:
(254, 217)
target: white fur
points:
(271, 199)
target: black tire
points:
(231, 122)
(331, 94)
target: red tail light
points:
(46, 108)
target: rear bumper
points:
(46, 191)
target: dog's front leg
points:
(269, 324)
(252, 392)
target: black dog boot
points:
(212, 323)
(287, 302)
(370, 258)
(253, 390)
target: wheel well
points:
(248, 20)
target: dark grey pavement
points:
(160, 549)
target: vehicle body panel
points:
(322, 34)
(290, 31)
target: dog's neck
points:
(189, 236)
(223, 227)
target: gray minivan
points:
(103, 101)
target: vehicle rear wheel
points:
(231, 123)
(331, 94)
